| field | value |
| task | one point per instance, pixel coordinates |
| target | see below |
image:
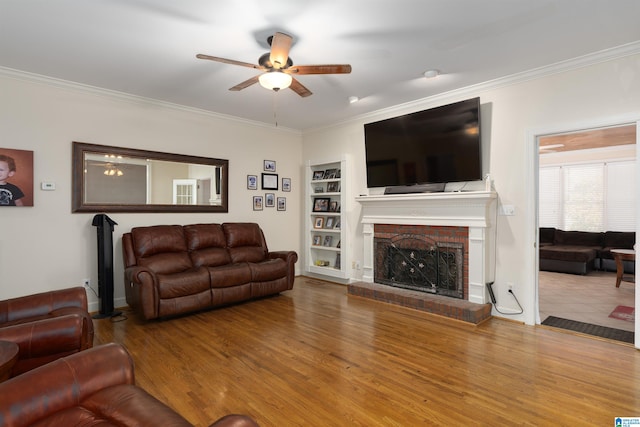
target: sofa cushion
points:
(207, 245)
(579, 238)
(225, 276)
(161, 248)
(268, 270)
(188, 282)
(568, 253)
(619, 239)
(157, 239)
(547, 234)
(245, 242)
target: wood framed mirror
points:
(117, 179)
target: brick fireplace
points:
(455, 230)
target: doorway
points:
(590, 298)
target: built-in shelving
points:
(325, 222)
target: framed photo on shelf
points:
(330, 173)
(333, 187)
(269, 181)
(286, 184)
(318, 222)
(329, 222)
(334, 206)
(318, 189)
(321, 204)
(336, 264)
(257, 203)
(318, 175)
(337, 225)
(269, 165)
(282, 203)
(327, 241)
(269, 200)
(317, 240)
(252, 182)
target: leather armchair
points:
(46, 326)
(93, 387)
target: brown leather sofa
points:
(176, 269)
(93, 387)
(46, 326)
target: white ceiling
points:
(148, 47)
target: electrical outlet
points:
(86, 283)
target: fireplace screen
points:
(408, 264)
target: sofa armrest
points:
(290, 257)
(42, 303)
(141, 290)
(44, 340)
(63, 383)
(287, 256)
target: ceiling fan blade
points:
(298, 88)
(280, 46)
(229, 61)
(245, 84)
(319, 69)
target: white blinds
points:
(588, 197)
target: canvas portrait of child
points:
(16, 177)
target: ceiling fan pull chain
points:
(275, 107)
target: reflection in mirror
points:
(115, 179)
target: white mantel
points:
(473, 209)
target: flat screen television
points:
(435, 146)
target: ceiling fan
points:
(279, 69)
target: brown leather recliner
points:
(46, 326)
(176, 269)
(93, 387)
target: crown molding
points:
(127, 97)
(501, 82)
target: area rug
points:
(623, 312)
(590, 329)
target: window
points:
(588, 197)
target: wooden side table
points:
(622, 255)
(8, 358)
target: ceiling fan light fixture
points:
(275, 80)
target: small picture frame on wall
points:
(257, 203)
(269, 181)
(269, 166)
(269, 200)
(282, 203)
(286, 184)
(252, 182)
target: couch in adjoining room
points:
(579, 252)
(176, 269)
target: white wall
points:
(47, 247)
(510, 114)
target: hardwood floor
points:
(315, 357)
